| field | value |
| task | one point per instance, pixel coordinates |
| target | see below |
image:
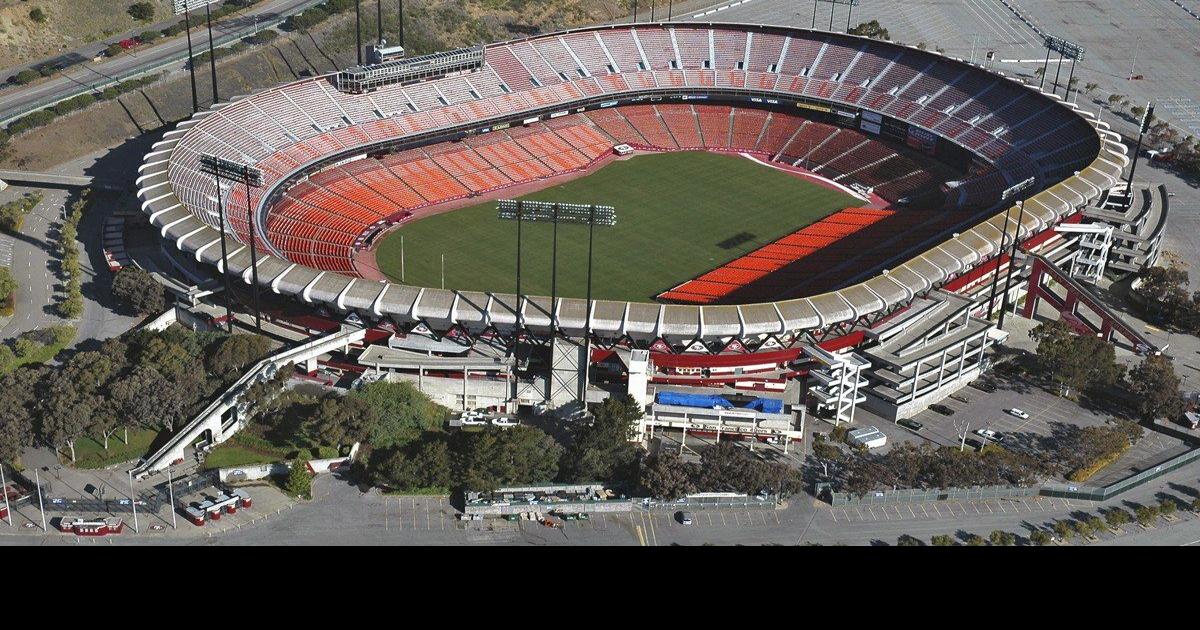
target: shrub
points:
(942, 540)
(1116, 517)
(909, 541)
(25, 76)
(299, 482)
(38, 15)
(24, 347)
(1167, 507)
(150, 36)
(1039, 537)
(141, 11)
(1147, 514)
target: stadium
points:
(775, 186)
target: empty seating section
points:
(765, 51)
(836, 59)
(320, 221)
(694, 51)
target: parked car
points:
(960, 398)
(909, 423)
(984, 386)
(942, 409)
(1019, 413)
(974, 444)
(473, 418)
(995, 436)
(685, 518)
(505, 422)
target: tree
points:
(1090, 87)
(1064, 530)
(418, 466)
(1084, 529)
(975, 540)
(233, 354)
(1116, 517)
(1039, 537)
(341, 421)
(138, 290)
(942, 540)
(1156, 388)
(299, 480)
(148, 398)
(1167, 507)
(666, 476)
(521, 455)
(1146, 514)
(1196, 504)
(402, 412)
(906, 540)
(8, 284)
(601, 450)
(1096, 523)
(1001, 538)
(67, 414)
(141, 11)
(16, 432)
(1074, 361)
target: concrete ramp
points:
(228, 413)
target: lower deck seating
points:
(323, 220)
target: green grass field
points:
(678, 215)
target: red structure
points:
(93, 527)
(1068, 307)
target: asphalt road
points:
(16, 101)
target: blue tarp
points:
(692, 400)
(765, 405)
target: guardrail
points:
(112, 79)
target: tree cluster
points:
(1074, 362)
(151, 380)
(135, 288)
(872, 30)
(926, 466)
(725, 467)
(71, 305)
(1165, 290)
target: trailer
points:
(91, 527)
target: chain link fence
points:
(895, 497)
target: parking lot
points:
(949, 510)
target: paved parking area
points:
(948, 510)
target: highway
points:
(17, 101)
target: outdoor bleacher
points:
(284, 131)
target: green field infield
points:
(678, 216)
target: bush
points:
(942, 540)
(1039, 537)
(1116, 517)
(25, 76)
(141, 11)
(38, 15)
(1146, 515)
(1167, 507)
(299, 481)
(150, 36)
(909, 541)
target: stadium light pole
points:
(1005, 196)
(401, 29)
(1012, 258)
(1142, 129)
(814, 21)
(652, 3)
(187, 23)
(379, 21)
(635, 12)
(253, 256)
(212, 54)
(554, 268)
(520, 218)
(591, 231)
(358, 29)
(670, 10)
(216, 173)
(1045, 69)
(1058, 72)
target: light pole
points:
(171, 491)
(1005, 196)
(37, 481)
(187, 24)
(250, 176)
(1147, 116)
(358, 29)
(212, 54)
(133, 502)
(554, 270)
(4, 489)
(1012, 260)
